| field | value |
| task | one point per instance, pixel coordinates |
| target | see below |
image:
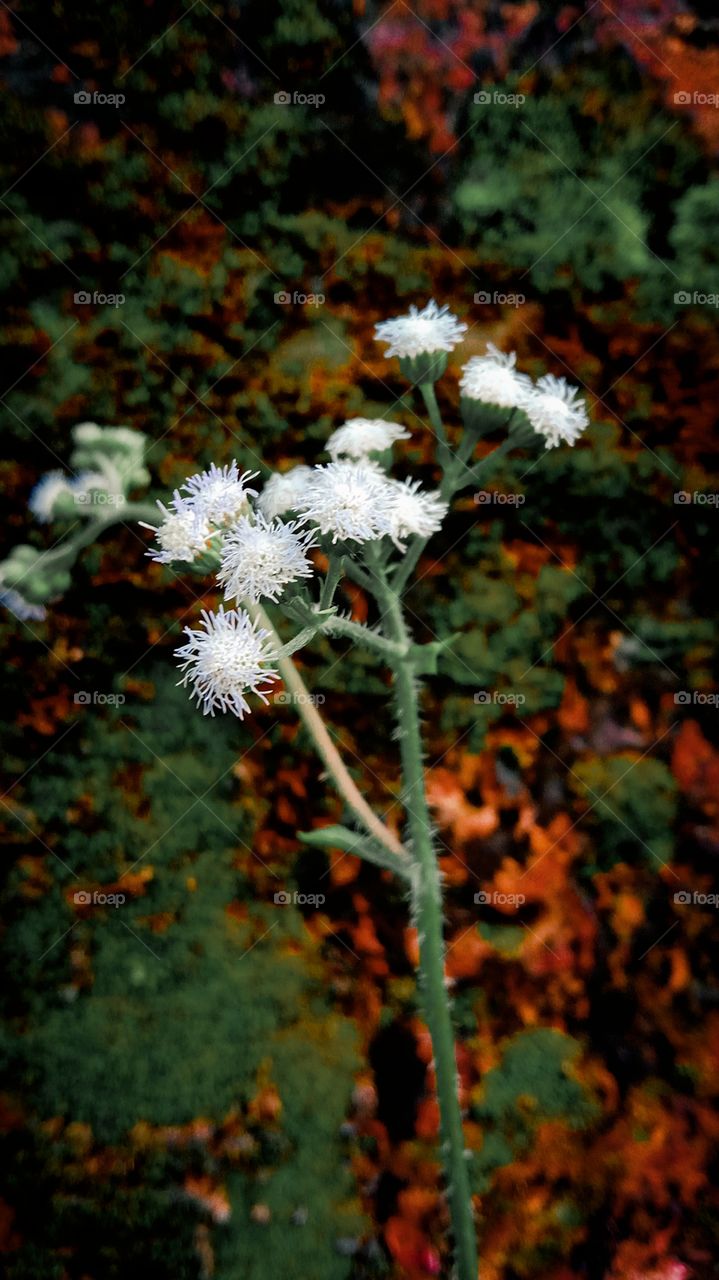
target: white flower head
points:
(283, 491)
(555, 411)
(414, 510)
(23, 609)
(421, 332)
(230, 658)
(220, 494)
(182, 534)
(493, 379)
(350, 500)
(44, 497)
(260, 559)
(360, 437)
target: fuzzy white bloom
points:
(350, 500)
(421, 332)
(22, 608)
(226, 661)
(182, 534)
(283, 491)
(414, 511)
(554, 410)
(360, 437)
(221, 494)
(42, 500)
(260, 559)
(493, 379)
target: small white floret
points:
(261, 557)
(360, 437)
(350, 500)
(556, 411)
(230, 658)
(421, 332)
(493, 379)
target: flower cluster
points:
(259, 545)
(552, 407)
(213, 500)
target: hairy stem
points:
(326, 749)
(428, 916)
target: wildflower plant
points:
(264, 547)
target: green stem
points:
(329, 586)
(435, 417)
(428, 916)
(356, 631)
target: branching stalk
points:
(326, 749)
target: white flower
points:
(260, 559)
(53, 485)
(221, 494)
(360, 437)
(182, 534)
(493, 379)
(283, 491)
(414, 511)
(22, 608)
(421, 332)
(350, 500)
(227, 660)
(555, 411)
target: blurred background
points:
(205, 210)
